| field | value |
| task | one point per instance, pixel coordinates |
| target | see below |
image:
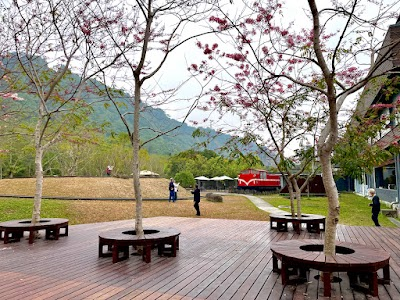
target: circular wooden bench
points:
(355, 259)
(13, 231)
(314, 223)
(119, 240)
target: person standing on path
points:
(376, 206)
(196, 199)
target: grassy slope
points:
(89, 187)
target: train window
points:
(263, 175)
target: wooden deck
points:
(218, 259)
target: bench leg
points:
(284, 273)
(16, 235)
(32, 234)
(174, 245)
(281, 226)
(275, 267)
(6, 233)
(296, 226)
(147, 253)
(56, 232)
(115, 253)
(386, 274)
(327, 283)
(373, 284)
(116, 250)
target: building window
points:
(386, 177)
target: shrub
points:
(186, 179)
(213, 197)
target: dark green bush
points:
(213, 197)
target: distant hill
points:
(154, 118)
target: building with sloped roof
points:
(385, 178)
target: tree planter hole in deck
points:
(320, 248)
(30, 222)
(146, 231)
(295, 216)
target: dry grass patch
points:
(233, 207)
(92, 211)
(89, 187)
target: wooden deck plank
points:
(191, 285)
(224, 259)
(236, 273)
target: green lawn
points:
(354, 209)
(15, 209)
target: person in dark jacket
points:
(376, 206)
(196, 199)
(171, 191)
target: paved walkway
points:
(263, 205)
(260, 203)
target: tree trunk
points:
(292, 197)
(333, 203)
(39, 174)
(136, 168)
(298, 197)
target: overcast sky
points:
(175, 70)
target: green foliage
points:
(207, 163)
(17, 160)
(186, 179)
(354, 209)
(355, 154)
(101, 114)
(87, 156)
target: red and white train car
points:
(261, 180)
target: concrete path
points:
(261, 204)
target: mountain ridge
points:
(152, 118)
